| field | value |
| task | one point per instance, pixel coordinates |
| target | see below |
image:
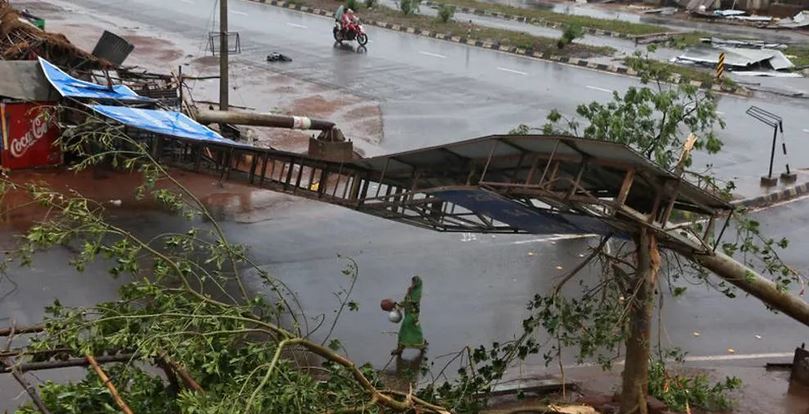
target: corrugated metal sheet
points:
(23, 80)
(440, 164)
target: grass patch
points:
(616, 26)
(799, 55)
(485, 34)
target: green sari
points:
(410, 335)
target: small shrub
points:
(572, 32)
(446, 12)
(352, 4)
(409, 7)
(370, 3)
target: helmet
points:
(349, 11)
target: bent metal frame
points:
(495, 184)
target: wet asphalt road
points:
(433, 91)
(476, 286)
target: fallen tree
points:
(186, 306)
(619, 308)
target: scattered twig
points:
(27, 386)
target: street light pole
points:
(223, 55)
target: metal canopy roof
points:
(496, 184)
(512, 157)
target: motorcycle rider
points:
(346, 19)
(338, 16)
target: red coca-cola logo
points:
(39, 127)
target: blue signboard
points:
(161, 122)
(517, 215)
(69, 86)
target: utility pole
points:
(223, 55)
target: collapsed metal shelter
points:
(495, 184)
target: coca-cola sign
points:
(39, 127)
(31, 130)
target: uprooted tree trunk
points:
(638, 343)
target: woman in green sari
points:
(410, 335)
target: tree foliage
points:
(185, 303)
(571, 33)
(653, 119)
(409, 7)
(446, 12)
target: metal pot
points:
(395, 316)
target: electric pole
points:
(223, 55)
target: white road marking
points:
(598, 89)
(708, 358)
(239, 13)
(512, 71)
(432, 54)
(738, 357)
(806, 130)
(467, 237)
(555, 237)
(300, 26)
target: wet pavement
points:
(432, 91)
(476, 286)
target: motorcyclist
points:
(338, 15)
(346, 19)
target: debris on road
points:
(739, 58)
(750, 44)
(531, 385)
(665, 11)
(277, 57)
(729, 13)
(771, 74)
(798, 21)
(21, 40)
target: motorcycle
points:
(352, 31)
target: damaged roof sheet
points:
(161, 122)
(23, 80)
(738, 57)
(69, 86)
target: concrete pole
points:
(207, 116)
(223, 55)
(756, 285)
